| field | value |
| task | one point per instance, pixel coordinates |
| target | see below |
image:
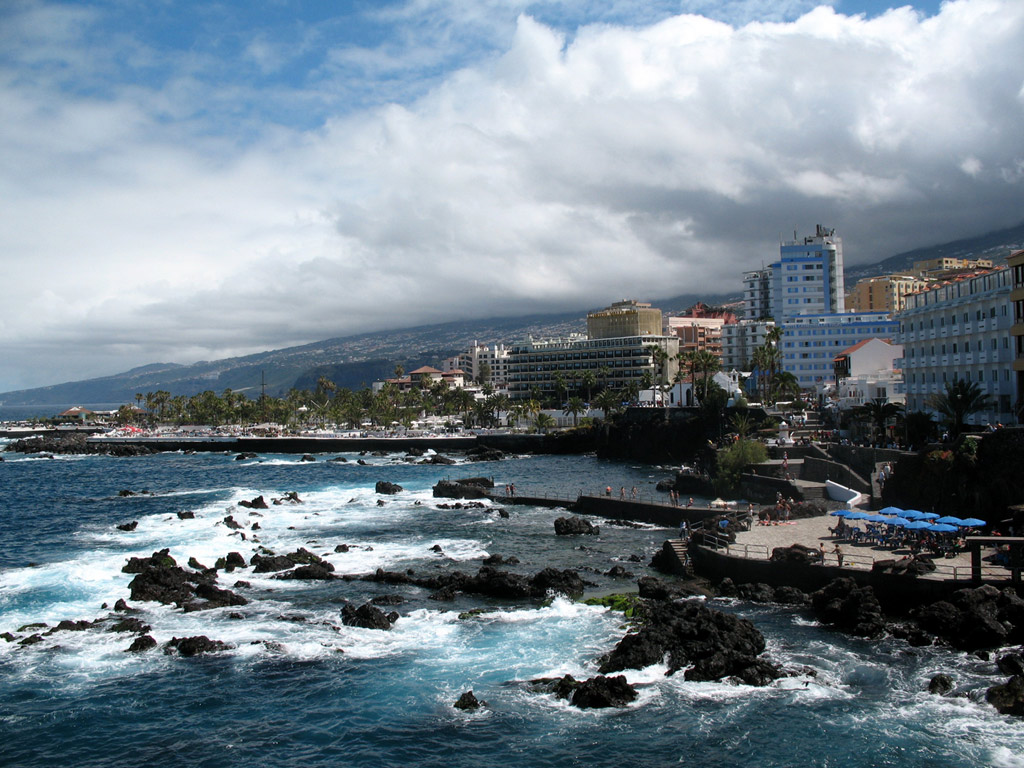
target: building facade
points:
(961, 330)
(624, 318)
(697, 333)
(887, 293)
(757, 295)
(808, 278)
(937, 267)
(869, 371)
(1016, 266)
(481, 359)
(739, 340)
(615, 362)
(810, 343)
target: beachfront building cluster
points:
(617, 350)
(960, 330)
(740, 339)
(424, 376)
(482, 363)
(810, 343)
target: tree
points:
(734, 459)
(743, 424)
(609, 401)
(877, 413)
(960, 400)
(706, 364)
(544, 421)
(589, 381)
(484, 376)
(558, 380)
(784, 385)
(399, 371)
(574, 408)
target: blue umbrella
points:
(892, 511)
(912, 514)
(858, 516)
(929, 515)
(941, 528)
(949, 520)
(841, 513)
(972, 522)
(878, 519)
(899, 522)
(917, 525)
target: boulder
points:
(940, 685)
(258, 503)
(618, 572)
(186, 515)
(684, 633)
(130, 624)
(307, 457)
(574, 526)
(271, 563)
(483, 453)
(387, 488)
(756, 593)
(566, 582)
(467, 701)
(314, 572)
(1008, 698)
(141, 644)
(438, 459)
(367, 616)
(850, 608)
(601, 691)
(497, 559)
(461, 489)
(340, 459)
(214, 597)
(128, 526)
(231, 523)
(245, 455)
(195, 646)
(1011, 664)
(795, 553)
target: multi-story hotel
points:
(944, 264)
(811, 342)
(757, 295)
(482, 363)
(615, 360)
(808, 278)
(961, 330)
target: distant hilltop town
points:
(896, 338)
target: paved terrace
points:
(760, 540)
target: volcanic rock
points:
(387, 488)
(849, 607)
(128, 526)
(940, 685)
(467, 701)
(194, 646)
(573, 526)
(140, 644)
(1008, 698)
(258, 503)
(367, 616)
(601, 691)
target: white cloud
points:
(160, 220)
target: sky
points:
(184, 181)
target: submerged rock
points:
(195, 646)
(467, 701)
(385, 487)
(367, 616)
(1008, 698)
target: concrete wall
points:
(763, 489)
(822, 470)
(656, 514)
(863, 460)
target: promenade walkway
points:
(760, 540)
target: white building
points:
(869, 370)
(757, 295)
(810, 343)
(739, 340)
(480, 359)
(960, 330)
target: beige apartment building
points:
(1016, 262)
(886, 293)
(624, 318)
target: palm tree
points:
(589, 381)
(574, 408)
(558, 380)
(878, 412)
(784, 384)
(742, 423)
(960, 400)
(544, 421)
(608, 401)
(707, 365)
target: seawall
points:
(304, 444)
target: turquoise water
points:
(299, 688)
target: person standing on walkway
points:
(839, 555)
(682, 530)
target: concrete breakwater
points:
(308, 444)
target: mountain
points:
(992, 245)
(349, 361)
(356, 361)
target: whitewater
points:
(297, 687)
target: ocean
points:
(299, 688)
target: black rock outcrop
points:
(601, 691)
(849, 607)
(385, 487)
(368, 617)
(574, 526)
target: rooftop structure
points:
(624, 318)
